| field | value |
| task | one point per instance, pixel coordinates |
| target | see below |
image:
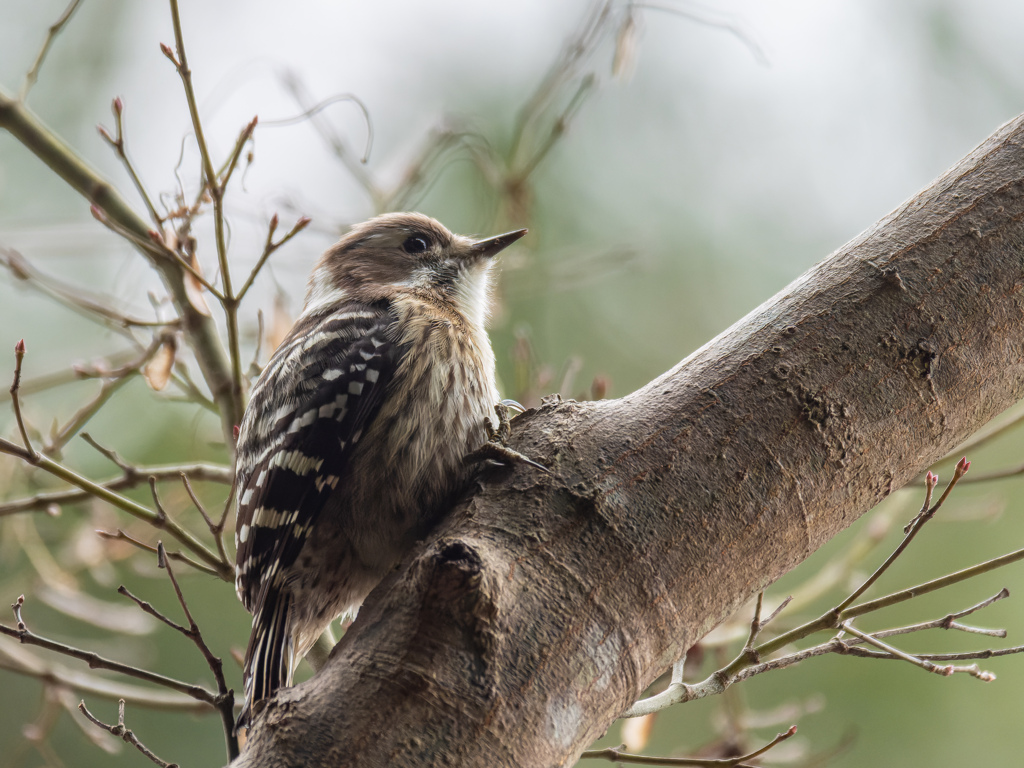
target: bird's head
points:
(406, 252)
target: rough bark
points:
(546, 603)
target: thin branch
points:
(225, 702)
(229, 166)
(912, 529)
(944, 670)
(124, 733)
(950, 621)
(755, 624)
(201, 331)
(82, 416)
(14, 658)
(216, 190)
(192, 392)
(310, 112)
(559, 127)
(748, 662)
(573, 53)
(931, 586)
(706, 16)
(93, 308)
(95, 661)
(959, 471)
(268, 249)
(778, 609)
(132, 477)
(19, 355)
(848, 646)
(51, 34)
(216, 529)
(160, 511)
(74, 373)
(226, 697)
(999, 474)
(225, 570)
(844, 611)
(121, 535)
(616, 755)
(118, 145)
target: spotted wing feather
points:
(318, 393)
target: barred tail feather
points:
(269, 657)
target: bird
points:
(356, 432)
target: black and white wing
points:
(317, 395)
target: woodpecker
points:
(356, 431)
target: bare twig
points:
(121, 535)
(845, 611)
(161, 513)
(558, 128)
(19, 355)
(117, 143)
(200, 331)
(616, 755)
(216, 189)
(268, 249)
(157, 520)
(849, 648)
(225, 698)
(15, 658)
(51, 34)
(711, 18)
(95, 661)
(122, 732)
(911, 530)
(949, 621)
(133, 477)
(999, 474)
(216, 529)
(81, 417)
(944, 670)
(310, 112)
(94, 308)
(778, 609)
(755, 624)
(931, 586)
(749, 661)
(74, 373)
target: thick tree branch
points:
(545, 604)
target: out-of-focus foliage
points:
(690, 187)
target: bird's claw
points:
(496, 448)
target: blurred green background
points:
(711, 170)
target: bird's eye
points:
(416, 244)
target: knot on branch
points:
(460, 605)
(455, 584)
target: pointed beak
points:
(494, 245)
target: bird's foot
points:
(496, 448)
